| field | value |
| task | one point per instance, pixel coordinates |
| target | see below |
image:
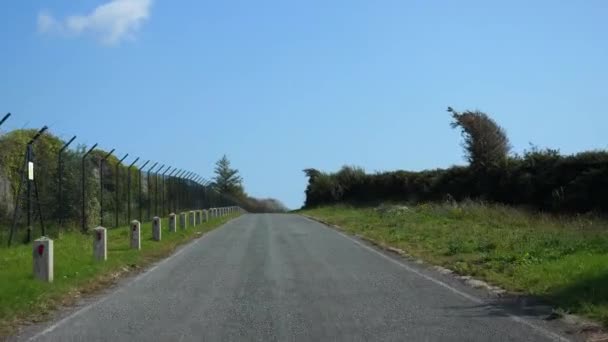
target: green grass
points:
(561, 259)
(22, 298)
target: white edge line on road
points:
(122, 288)
(547, 333)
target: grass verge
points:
(24, 299)
(563, 260)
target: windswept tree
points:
(227, 180)
(486, 145)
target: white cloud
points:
(46, 22)
(112, 22)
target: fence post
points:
(140, 191)
(101, 162)
(60, 206)
(129, 189)
(8, 115)
(84, 188)
(164, 190)
(149, 187)
(156, 213)
(117, 189)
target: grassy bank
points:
(76, 273)
(564, 260)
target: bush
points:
(543, 180)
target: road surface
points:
(287, 278)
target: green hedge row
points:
(540, 179)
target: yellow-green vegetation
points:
(22, 298)
(561, 259)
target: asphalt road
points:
(286, 278)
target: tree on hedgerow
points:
(227, 180)
(486, 145)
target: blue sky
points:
(280, 86)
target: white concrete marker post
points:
(172, 223)
(198, 217)
(182, 221)
(100, 244)
(43, 259)
(191, 218)
(156, 228)
(135, 235)
(206, 215)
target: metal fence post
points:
(101, 162)
(117, 189)
(8, 115)
(60, 206)
(84, 209)
(163, 190)
(156, 191)
(129, 189)
(140, 191)
(149, 188)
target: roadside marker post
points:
(191, 220)
(182, 221)
(100, 244)
(135, 235)
(43, 259)
(172, 223)
(156, 228)
(206, 215)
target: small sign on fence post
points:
(30, 170)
